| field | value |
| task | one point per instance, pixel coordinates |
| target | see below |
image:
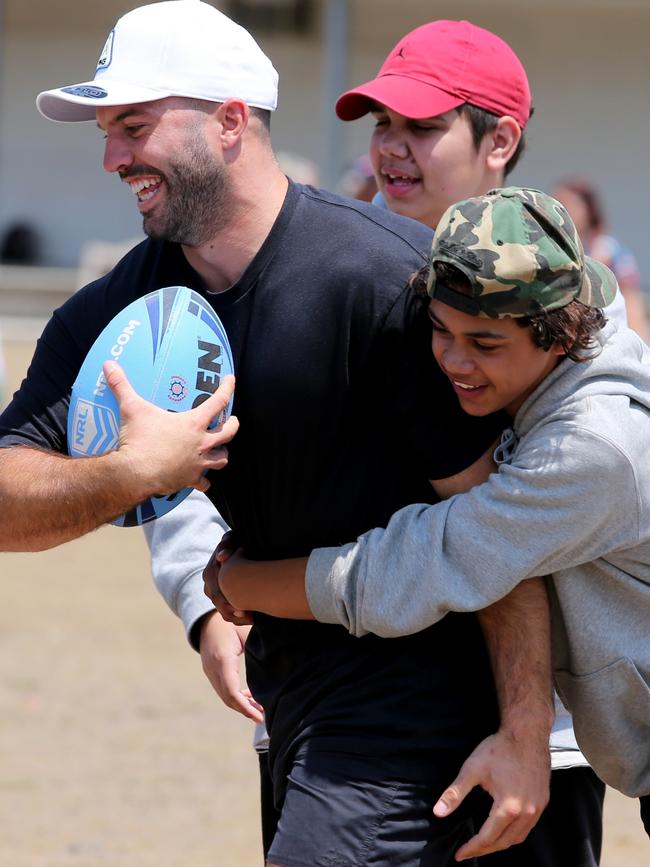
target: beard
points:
(197, 193)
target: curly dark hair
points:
(572, 327)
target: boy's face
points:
(424, 166)
(492, 364)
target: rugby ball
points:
(174, 351)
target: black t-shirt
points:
(344, 416)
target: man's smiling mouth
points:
(144, 188)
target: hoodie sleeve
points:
(181, 543)
(557, 505)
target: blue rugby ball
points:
(174, 350)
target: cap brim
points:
(402, 94)
(79, 102)
(599, 284)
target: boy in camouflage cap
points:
(518, 326)
(514, 256)
(521, 254)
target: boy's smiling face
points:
(424, 165)
(492, 364)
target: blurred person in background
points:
(20, 245)
(3, 377)
(582, 202)
(358, 181)
(300, 169)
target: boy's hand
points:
(227, 546)
(212, 576)
(516, 775)
(239, 586)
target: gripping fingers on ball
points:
(223, 434)
(217, 402)
(202, 485)
(217, 458)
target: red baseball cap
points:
(440, 66)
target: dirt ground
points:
(113, 748)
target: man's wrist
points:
(127, 478)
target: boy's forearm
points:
(517, 634)
(275, 587)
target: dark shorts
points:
(344, 811)
(570, 830)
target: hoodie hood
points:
(619, 366)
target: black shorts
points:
(570, 830)
(344, 811)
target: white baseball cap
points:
(172, 48)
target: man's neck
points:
(222, 260)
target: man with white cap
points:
(183, 96)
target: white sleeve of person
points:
(181, 543)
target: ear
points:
(232, 115)
(558, 350)
(503, 141)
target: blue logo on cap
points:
(86, 91)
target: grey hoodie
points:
(571, 500)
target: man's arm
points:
(49, 498)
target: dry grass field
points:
(113, 749)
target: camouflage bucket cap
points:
(521, 254)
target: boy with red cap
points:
(450, 102)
